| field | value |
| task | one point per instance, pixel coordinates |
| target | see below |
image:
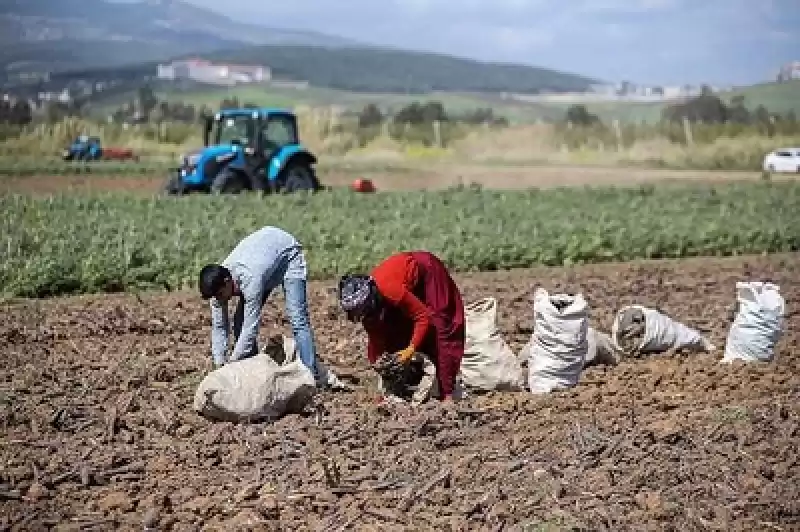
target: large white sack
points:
(558, 345)
(600, 349)
(758, 324)
(255, 389)
(488, 362)
(661, 334)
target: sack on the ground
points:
(558, 345)
(488, 362)
(417, 383)
(640, 330)
(255, 389)
(600, 350)
(758, 324)
(283, 349)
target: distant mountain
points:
(66, 34)
(126, 37)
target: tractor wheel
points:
(174, 186)
(299, 178)
(229, 182)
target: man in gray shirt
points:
(256, 266)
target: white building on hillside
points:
(204, 71)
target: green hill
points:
(389, 70)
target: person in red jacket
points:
(410, 304)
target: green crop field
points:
(73, 244)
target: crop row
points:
(71, 244)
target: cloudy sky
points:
(647, 41)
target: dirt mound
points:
(98, 433)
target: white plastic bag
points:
(488, 362)
(558, 345)
(254, 389)
(661, 333)
(600, 350)
(758, 324)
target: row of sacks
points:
(562, 344)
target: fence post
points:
(385, 132)
(618, 134)
(437, 133)
(687, 131)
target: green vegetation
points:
(117, 242)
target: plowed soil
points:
(98, 431)
(424, 178)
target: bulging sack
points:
(255, 389)
(758, 324)
(488, 363)
(640, 330)
(558, 345)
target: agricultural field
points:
(96, 388)
(98, 431)
(777, 97)
(73, 243)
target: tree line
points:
(706, 108)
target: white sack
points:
(488, 363)
(758, 324)
(662, 333)
(254, 389)
(558, 345)
(600, 350)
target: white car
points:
(782, 160)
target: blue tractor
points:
(247, 149)
(84, 148)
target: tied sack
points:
(638, 330)
(488, 363)
(255, 389)
(557, 348)
(758, 324)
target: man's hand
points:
(404, 356)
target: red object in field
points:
(363, 185)
(118, 153)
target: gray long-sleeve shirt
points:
(258, 264)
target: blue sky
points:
(647, 41)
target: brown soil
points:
(434, 177)
(98, 431)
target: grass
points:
(716, 147)
(69, 244)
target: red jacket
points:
(397, 278)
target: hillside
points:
(777, 97)
(70, 34)
(390, 70)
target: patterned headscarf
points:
(357, 293)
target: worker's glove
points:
(404, 356)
